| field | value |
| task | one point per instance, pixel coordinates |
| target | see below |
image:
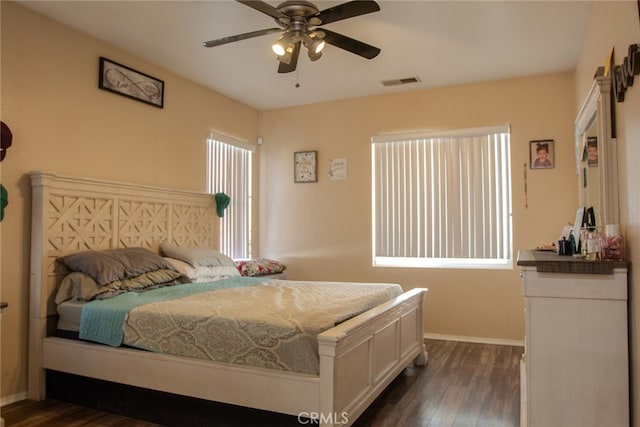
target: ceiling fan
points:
(299, 21)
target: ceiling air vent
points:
(404, 81)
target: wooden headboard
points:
(71, 214)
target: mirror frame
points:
(597, 107)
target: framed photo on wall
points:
(305, 166)
(125, 81)
(542, 154)
(592, 151)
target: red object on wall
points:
(5, 139)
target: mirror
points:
(589, 170)
(596, 156)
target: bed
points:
(357, 358)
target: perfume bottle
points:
(593, 245)
(584, 242)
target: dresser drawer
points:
(587, 286)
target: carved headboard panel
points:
(71, 214)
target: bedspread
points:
(271, 325)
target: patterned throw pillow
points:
(260, 267)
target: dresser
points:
(575, 368)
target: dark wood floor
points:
(464, 384)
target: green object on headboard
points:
(4, 200)
(222, 201)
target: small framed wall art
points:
(125, 81)
(305, 166)
(542, 154)
(338, 169)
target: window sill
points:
(483, 264)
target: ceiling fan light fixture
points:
(318, 45)
(313, 43)
(283, 45)
(314, 56)
(287, 56)
(278, 49)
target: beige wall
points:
(62, 122)
(616, 25)
(323, 230)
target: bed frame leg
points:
(423, 358)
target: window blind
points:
(442, 199)
(229, 166)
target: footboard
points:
(361, 356)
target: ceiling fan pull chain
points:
(297, 77)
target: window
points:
(229, 172)
(442, 200)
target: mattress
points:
(69, 313)
(269, 324)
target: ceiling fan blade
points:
(230, 39)
(346, 10)
(349, 44)
(264, 8)
(291, 66)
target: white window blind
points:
(229, 171)
(442, 199)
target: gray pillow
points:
(109, 265)
(196, 257)
(81, 287)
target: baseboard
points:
(8, 400)
(479, 340)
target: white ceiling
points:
(442, 42)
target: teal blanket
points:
(103, 321)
